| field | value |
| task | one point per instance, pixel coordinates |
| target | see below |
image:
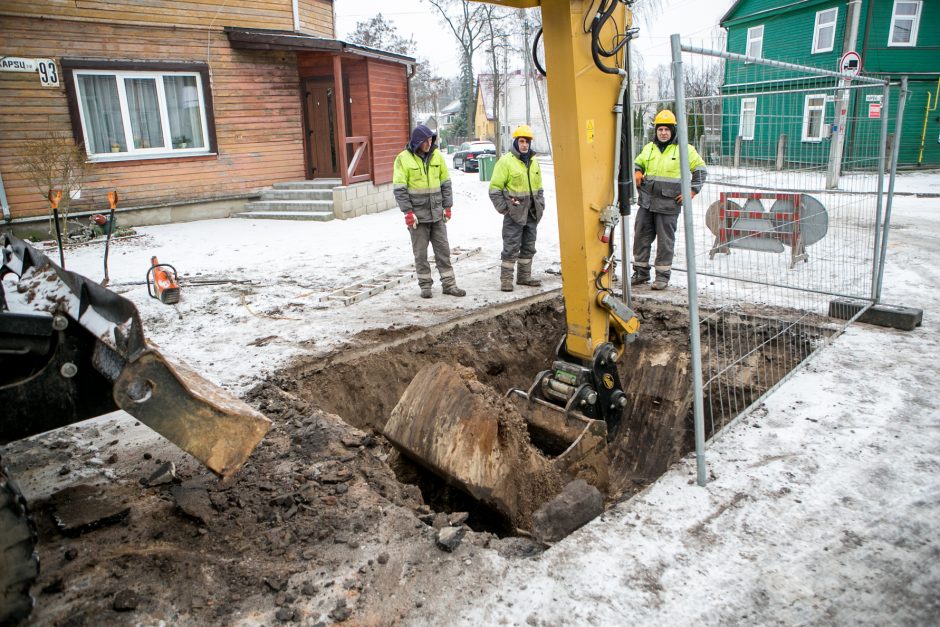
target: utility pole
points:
(525, 67)
(837, 145)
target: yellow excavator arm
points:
(584, 100)
(573, 407)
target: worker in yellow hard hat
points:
(657, 174)
(516, 193)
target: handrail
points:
(363, 141)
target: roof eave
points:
(264, 39)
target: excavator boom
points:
(579, 400)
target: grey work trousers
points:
(660, 227)
(519, 239)
(434, 233)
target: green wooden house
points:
(790, 114)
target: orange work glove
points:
(638, 177)
(446, 214)
(410, 220)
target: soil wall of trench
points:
(509, 350)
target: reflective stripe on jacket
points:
(422, 185)
(662, 172)
(513, 180)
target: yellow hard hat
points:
(664, 117)
(523, 130)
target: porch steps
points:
(294, 200)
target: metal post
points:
(885, 95)
(899, 119)
(686, 186)
(842, 104)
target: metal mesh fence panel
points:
(788, 221)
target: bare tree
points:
(429, 91)
(467, 22)
(496, 38)
(55, 162)
(381, 34)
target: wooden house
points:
(893, 38)
(191, 109)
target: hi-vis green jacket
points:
(422, 185)
(513, 180)
(662, 173)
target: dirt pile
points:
(315, 527)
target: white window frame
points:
(808, 108)
(159, 152)
(914, 27)
(751, 39)
(744, 107)
(834, 22)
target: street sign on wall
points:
(46, 68)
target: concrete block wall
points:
(361, 199)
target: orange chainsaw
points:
(162, 282)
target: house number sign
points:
(46, 68)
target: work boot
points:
(524, 274)
(660, 283)
(453, 290)
(426, 292)
(506, 270)
(639, 278)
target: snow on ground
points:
(823, 504)
(236, 333)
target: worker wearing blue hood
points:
(423, 191)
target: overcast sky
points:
(696, 20)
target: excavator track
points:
(19, 564)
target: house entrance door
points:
(320, 123)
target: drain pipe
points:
(3, 202)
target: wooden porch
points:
(355, 103)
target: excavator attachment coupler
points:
(485, 443)
(71, 349)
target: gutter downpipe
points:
(842, 104)
(3, 202)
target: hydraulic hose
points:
(535, 54)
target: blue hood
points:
(418, 136)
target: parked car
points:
(466, 156)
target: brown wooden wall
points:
(358, 101)
(256, 97)
(316, 16)
(379, 92)
(388, 105)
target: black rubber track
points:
(19, 565)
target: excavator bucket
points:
(489, 445)
(71, 349)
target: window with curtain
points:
(141, 113)
(824, 34)
(814, 108)
(755, 42)
(905, 20)
(748, 119)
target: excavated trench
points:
(508, 349)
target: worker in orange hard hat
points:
(657, 174)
